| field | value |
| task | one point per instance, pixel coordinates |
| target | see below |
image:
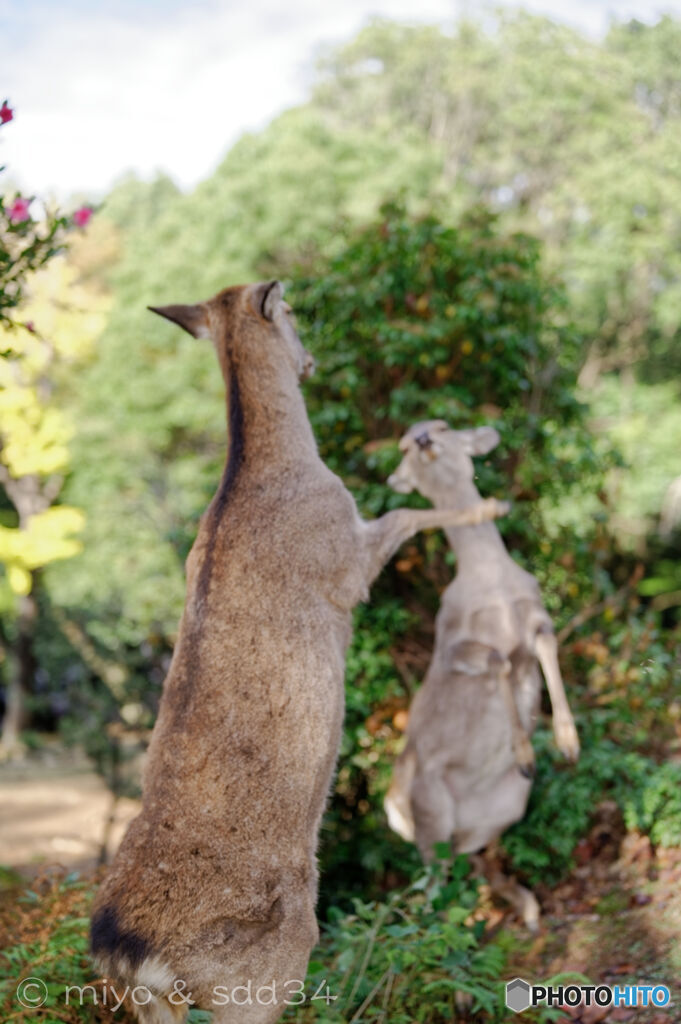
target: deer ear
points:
(192, 319)
(266, 298)
(480, 440)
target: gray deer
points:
(465, 773)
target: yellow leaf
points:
(19, 580)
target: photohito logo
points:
(520, 995)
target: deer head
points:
(250, 307)
(435, 456)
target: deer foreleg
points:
(522, 748)
(521, 899)
(385, 535)
(567, 741)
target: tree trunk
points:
(22, 665)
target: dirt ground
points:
(615, 919)
(55, 810)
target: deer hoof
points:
(530, 912)
(524, 757)
(567, 739)
(492, 508)
(463, 1001)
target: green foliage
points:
(651, 800)
(354, 830)
(24, 248)
(644, 422)
(561, 806)
(597, 182)
(627, 720)
(416, 319)
(407, 957)
(564, 799)
(410, 958)
(33, 432)
(57, 955)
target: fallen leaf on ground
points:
(621, 969)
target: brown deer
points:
(465, 772)
(214, 886)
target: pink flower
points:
(30, 326)
(82, 216)
(6, 113)
(18, 211)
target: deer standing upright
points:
(214, 885)
(466, 769)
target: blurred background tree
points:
(34, 456)
(36, 286)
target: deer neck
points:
(472, 545)
(268, 426)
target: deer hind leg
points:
(397, 802)
(522, 748)
(546, 649)
(258, 1012)
(273, 973)
(434, 812)
(523, 901)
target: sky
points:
(103, 88)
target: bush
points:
(416, 319)
(410, 958)
(627, 722)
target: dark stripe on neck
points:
(235, 461)
(236, 443)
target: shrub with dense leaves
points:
(416, 319)
(628, 721)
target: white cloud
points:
(101, 89)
